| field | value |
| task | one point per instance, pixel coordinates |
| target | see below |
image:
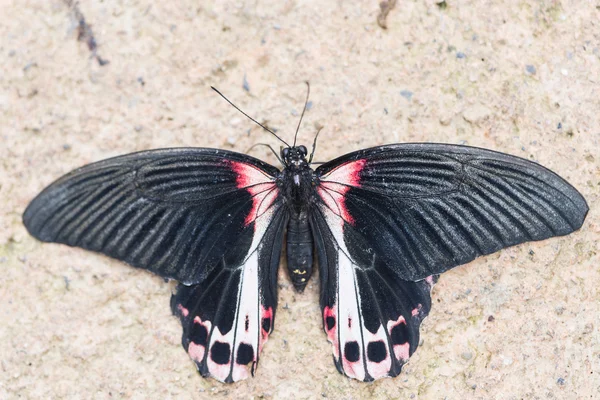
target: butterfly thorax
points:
(296, 182)
(296, 179)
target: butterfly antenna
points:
(266, 145)
(314, 147)
(303, 111)
(250, 118)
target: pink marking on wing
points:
(261, 186)
(266, 313)
(196, 352)
(333, 194)
(332, 333)
(416, 311)
(219, 371)
(382, 368)
(248, 175)
(184, 311)
(402, 351)
(335, 185)
(346, 174)
(429, 280)
(261, 203)
(354, 369)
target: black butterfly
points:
(384, 221)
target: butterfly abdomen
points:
(299, 250)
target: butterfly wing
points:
(228, 317)
(387, 220)
(174, 212)
(210, 219)
(439, 205)
(371, 318)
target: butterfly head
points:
(294, 157)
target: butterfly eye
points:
(303, 150)
(285, 152)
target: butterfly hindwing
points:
(371, 318)
(174, 212)
(387, 220)
(227, 317)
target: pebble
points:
(530, 69)
(476, 113)
(245, 84)
(407, 94)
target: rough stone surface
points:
(79, 325)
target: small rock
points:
(476, 113)
(530, 69)
(460, 54)
(245, 84)
(467, 355)
(445, 120)
(560, 381)
(407, 94)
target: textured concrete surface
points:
(519, 76)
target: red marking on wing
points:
(265, 314)
(184, 311)
(346, 174)
(260, 185)
(196, 351)
(329, 312)
(402, 351)
(416, 311)
(335, 184)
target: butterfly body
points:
(383, 222)
(297, 181)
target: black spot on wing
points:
(266, 324)
(330, 321)
(220, 353)
(352, 351)
(199, 334)
(245, 354)
(399, 334)
(376, 351)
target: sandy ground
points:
(521, 77)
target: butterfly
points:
(383, 223)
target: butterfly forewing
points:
(432, 207)
(174, 212)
